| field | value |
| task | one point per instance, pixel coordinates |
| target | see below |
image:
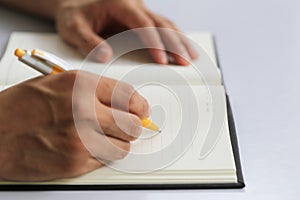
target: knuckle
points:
(145, 22)
(127, 88)
(75, 24)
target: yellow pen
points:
(41, 61)
(47, 63)
(147, 123)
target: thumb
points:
(86, 41)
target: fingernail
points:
(103, 54)
(193, 52)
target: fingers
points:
(189, 47)
(105, 147)
(150, 37)
(79, 27)
(118, 124)
(75, 28)
(123, 96)
(159, 40)
(175, 47)
(110, 92)
(119, 127)
(78, 32)
(175, 42)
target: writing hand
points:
(39, 139)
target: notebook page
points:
(178, 149)
(221, 158)
(13, 71)
(217, 167)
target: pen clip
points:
(50, 58)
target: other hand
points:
(81, 22)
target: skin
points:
(39, 139)
(42, 142)
(81, 24)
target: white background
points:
(259, 50)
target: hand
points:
(39, 139)
(80, 22)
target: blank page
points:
(13, 71)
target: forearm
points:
(43, 8)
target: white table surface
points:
(259, 50)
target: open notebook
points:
(197, 147)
